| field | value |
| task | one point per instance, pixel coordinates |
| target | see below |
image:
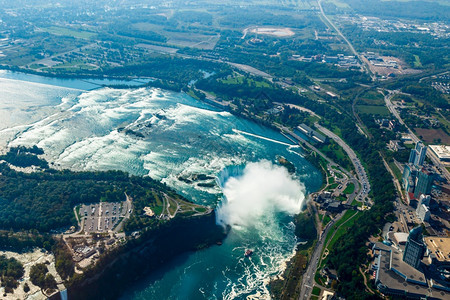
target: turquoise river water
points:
(82, 125)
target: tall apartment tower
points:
(417, 155)
(424, 182)
(415, 248)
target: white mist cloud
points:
(260, 192)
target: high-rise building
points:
(415, 248)
(424, 199)
(408, 176)
(423, 212)
(417, 155)
(424, 182)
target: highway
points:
(308, 277)
(360, 172)
(319, 2)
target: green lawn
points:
(417, 62)
(357, 203)
(173, 206)
(346, 216)
(373, 109)
(396, 171)
(341, 198)
(332, 186)
(349, 189)
(342, 230)
(326, 219)
(316, 291)
(79, 34)
(239, 80)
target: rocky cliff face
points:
(141, 257)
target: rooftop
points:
(401, 237)
(441, 151)
(439, 246)
(398, 276)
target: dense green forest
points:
(45, 200)
(11, 270)
(40, 277)
(24, 157)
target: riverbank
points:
(125, 266)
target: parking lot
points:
(102, 217)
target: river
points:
(173, 137)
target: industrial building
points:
(317, 137)
(442, 152)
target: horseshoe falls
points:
(174, 138)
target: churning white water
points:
(260, 192)
(178, 137)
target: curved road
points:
(360, 172)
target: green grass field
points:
(343, 229)
(79, 34)
(332, 186)
(357, 203)
(346, 216)
(316, 290)
(371, 98)
(417, 62)
(238, 80)
(349, 189)
(396, 171)
(373, 109)
(326, 219)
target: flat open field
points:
(373, 109)
(79, 34)
(182, 38)
(431, 136)
(278, 32)
(157, 48)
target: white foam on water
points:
(83, 135)
(253, 203)
(263, 188)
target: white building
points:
(442, 152)
(423, 212)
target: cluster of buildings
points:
(417, 180)
(414, 265)
(386, 123)
(438, 29)
(328, 203)
(341, 60)
(443, 87)
(411, 266)
(82, 251)
(379, 61)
